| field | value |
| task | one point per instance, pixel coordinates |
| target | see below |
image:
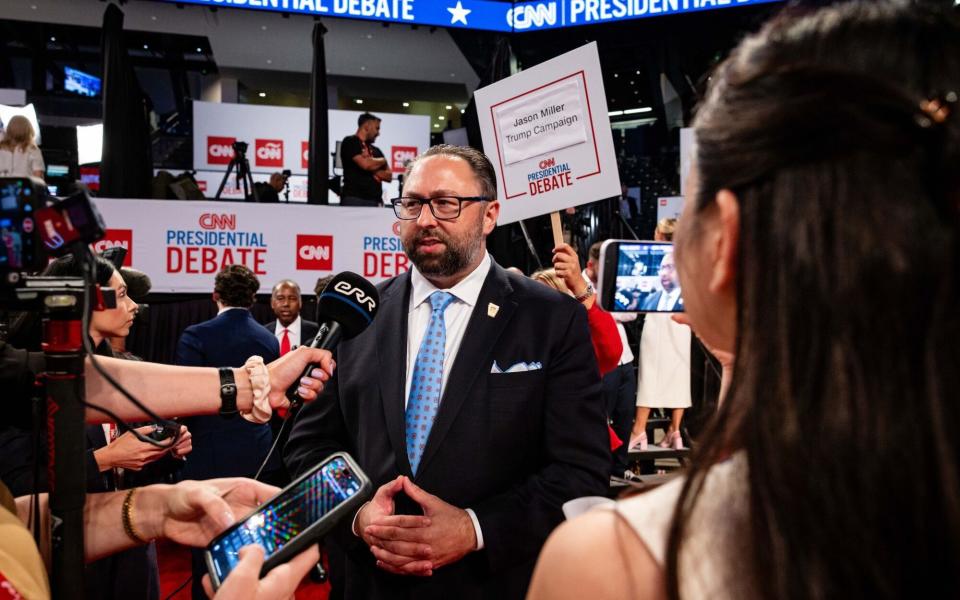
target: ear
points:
(726, 243)
(490, 217)
(216, 297)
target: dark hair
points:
(236, 285)
(67, 266)
(479, 163)
(363, 118)
(594, 252)
(322, 283)
(846, 390)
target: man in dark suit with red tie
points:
(290, 330)
(472, 402)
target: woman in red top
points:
(566, 277)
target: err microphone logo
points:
(314, 252)
(345, 288)
(269, 153)
(219, 149)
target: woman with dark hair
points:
(819, 243)
(118, 459)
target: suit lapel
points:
(478, 341)
(391, 335)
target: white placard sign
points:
(548, 134)
(182, 245)
(277, 138)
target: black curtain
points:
(317, 168)
(126, 168)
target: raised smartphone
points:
(638, 277)
(298, 516)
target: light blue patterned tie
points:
(427, 380)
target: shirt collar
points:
(226, 308)
(293, 328)
(467, 291)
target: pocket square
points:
(520, 367)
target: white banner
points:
(547, 132)
(277, 138)
(182, 245)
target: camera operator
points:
(270, 192)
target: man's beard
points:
(456, 256)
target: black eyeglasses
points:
(443, 208)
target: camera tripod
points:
(244, 178)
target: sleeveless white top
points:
(716, 542)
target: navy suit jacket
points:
(226, 447)
(652, 300)
(511, 446)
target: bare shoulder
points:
(596, 556)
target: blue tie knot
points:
(441, 300)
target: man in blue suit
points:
(226, 447)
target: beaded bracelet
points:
(127, 519)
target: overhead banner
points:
(547, 132)
(277, 138)
(182, 245)
(483, 14)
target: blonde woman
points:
(19, 154)
(664, 373)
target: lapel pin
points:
(492, 310)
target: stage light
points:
(262, 94)
(406, 105)
(449, 107)
(633, 111)
(615, 113)
(442, 118)
(359, 100)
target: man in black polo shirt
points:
(364, 167)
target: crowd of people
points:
(479, 400)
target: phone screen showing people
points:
(646, 279)
(279, 521)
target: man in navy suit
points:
(226, 447)
(472, 399)
(668, 298)
(291, 330)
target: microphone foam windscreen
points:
(350, 300)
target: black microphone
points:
(344, 309)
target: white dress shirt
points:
(455, 317)
(668, 299)
(293, 332)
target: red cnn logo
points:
(314, 252)
(400, 156)
(114, 238)
(269, 153)
(219, 150)
(305, 155)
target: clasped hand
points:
(414, 544)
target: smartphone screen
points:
(18, 201)
(639, 277)
(333, 484)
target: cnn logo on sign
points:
(314, 252)
(400, 156)
(219, 150)
(305, 155)
(113, 238)
(269, 153)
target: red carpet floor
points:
(175, 569)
